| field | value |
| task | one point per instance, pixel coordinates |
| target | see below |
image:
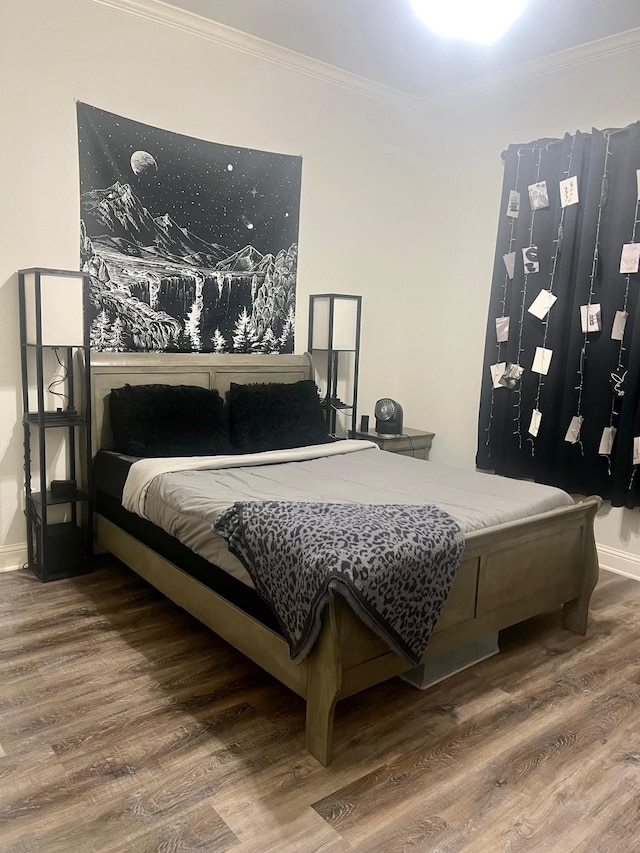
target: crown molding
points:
(163, 13)
(572, 57)
(188, 22)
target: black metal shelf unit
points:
(54, 323)
(334, 338)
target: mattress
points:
(110, 471)
(186, 503)
(109, 476)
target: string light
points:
(503, 303)
(592, 280)
(518, 390)
(622, 348)
(557, 244)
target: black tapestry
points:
(192, 246)
(561, 375)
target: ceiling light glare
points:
(479, 21)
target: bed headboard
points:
(113, 370)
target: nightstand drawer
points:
(412, 442)
(417, 453)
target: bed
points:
(509, 571)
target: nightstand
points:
(412, 442)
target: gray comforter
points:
(187, 503)
(187, 497)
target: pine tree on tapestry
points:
(193, 323)
(100, 332)
(219, 342)
(117, 342)
(286, 338)
(269, 343)
(245, 337)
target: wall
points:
(462, 177)
(357, 178)
(400, 208)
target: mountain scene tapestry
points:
(191, 246)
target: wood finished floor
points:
(126, 726)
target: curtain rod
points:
(550, 143)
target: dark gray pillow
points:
(275, 416)
(168, 420)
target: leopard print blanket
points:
(394, 564)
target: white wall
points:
(357, 181)
(462, 170)
(400, 208)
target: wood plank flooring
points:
(126, 726)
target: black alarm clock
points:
(388, 415)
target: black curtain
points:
(591, 375)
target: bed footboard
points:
(508, 574)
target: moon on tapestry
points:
(142, 161)
(204, 260)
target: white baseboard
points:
(620, 562)
(13, 557)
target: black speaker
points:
(64, 488)
(63, 548)
(388, 417)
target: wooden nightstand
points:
(412, 442)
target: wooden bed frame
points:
(509, 573)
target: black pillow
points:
(168, 420)
(275, 416)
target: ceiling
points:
(383, 41)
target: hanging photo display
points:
(192, 246)
(530, 260)
(502, 329)
(630, 259)
(542, 304)
(590, 318)
(606, 441)
(539, 195)
(569, 192)
(513, 206)
(619, 323)
(573, 433)
(511, 375)
(629, 262)
(497, 372)
(502, 323)
(590, 314)
(594, 318)
(534, 425)
(542, 360)
(576, 308)
(510, 263)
